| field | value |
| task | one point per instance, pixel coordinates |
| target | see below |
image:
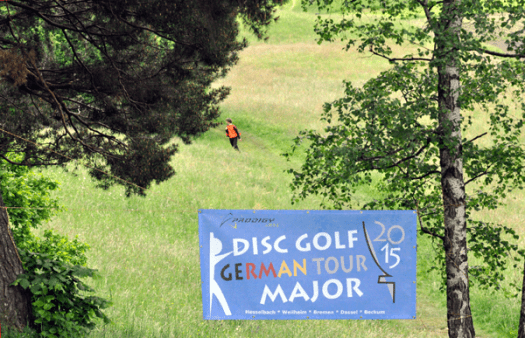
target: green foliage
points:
(60, 306)
(58, 247)
(53, 264)
(392, 126)
(112, 82)
(30, 194)
(488, 242)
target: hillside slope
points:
(146, 249)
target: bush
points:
(60, 306)
(57, 246)
(30, 193)
(53, 265)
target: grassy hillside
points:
(146, 249)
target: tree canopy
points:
(409, 124)
(112, 82)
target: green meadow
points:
(146, 249)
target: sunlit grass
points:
(147, 250)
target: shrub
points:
(53, 265)
(60, 305)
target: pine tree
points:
(110, 84)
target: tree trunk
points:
(15, 302)
(452, 183)
(521, 331)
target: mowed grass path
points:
(146, 249)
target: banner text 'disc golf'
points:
(296, 264)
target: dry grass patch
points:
(291, 82)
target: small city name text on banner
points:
(316, 264)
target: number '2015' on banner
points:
(297, 264)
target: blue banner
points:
(317, 264)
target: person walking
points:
(232, 133)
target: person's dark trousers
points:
(233, 142)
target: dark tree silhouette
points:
(110, 83)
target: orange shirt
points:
(232, 132)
